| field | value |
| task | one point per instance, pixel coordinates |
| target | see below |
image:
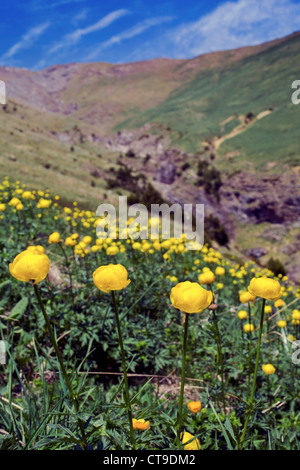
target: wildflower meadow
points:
(138, 344)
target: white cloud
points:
(80, 16)
(41, 4)
(26, 40)
(137, 29)
(72, 38)
(235, 24)
(39, 65)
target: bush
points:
(276, 267)
(210, 178)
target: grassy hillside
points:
(252, 85)
(31, 151)
(59, 131)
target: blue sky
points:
(39, 33)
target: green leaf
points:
(229, 428)
(222, 427)
(19, 308)
(5, 290)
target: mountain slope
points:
(72, 128)
(253, 85)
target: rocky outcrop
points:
(167, 173)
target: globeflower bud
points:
(296, 314)
(194, 406)
(220, 271)
(30, 265)
(246, 297)
(87, 240)
(265, 287)
(207, 277)
(54, 238)
(248, 328)
(268, 309)
(193, 445)
(70, 241)
(279, 303)
(14, 202)
(190, 297)
(111, 277)
(268, 369)
(242, 314)
(140, 424)
(112, 250)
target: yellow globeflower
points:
(268, 309)
(136, 246)
(194, 406)
(242, 314)
(43, 203)
(14, 202)
(296, 314)
(248, 327)
(265, 287)
(111, 277)
(193, 445)
(70, 241)
(87, 240)
(268, 369)
(112, 250)
(190, 297)
(279, 303)
(54, 238)
(140, 424)
(36, 248)
(220, 271)
(207, 277)
(2, 207)
(27, 195)
(30, 265)
(281, 323)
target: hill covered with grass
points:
(219, 129)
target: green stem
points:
(184, 349)
(127, 399)
(220, 358)
(249, 412)
(69, 273)
(250, 352)
(61, 363)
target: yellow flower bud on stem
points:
(62, 366)
(250, 403)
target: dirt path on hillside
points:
(245, 123)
